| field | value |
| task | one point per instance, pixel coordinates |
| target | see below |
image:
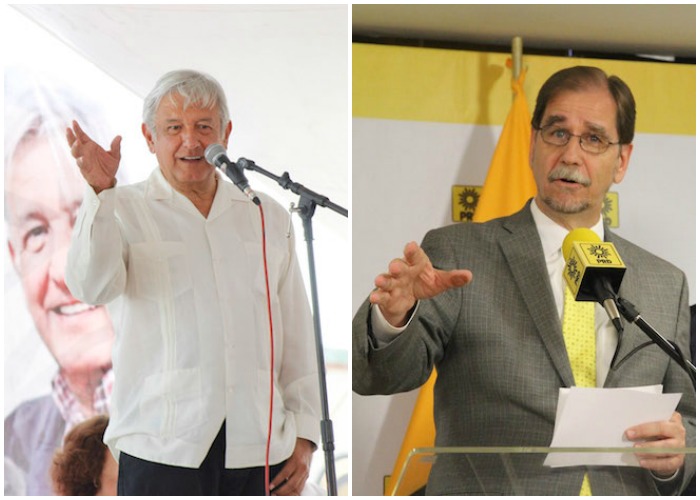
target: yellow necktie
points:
(579, 337)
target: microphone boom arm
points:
(286, 182)
(628, 310)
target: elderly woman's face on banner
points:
(43, 192)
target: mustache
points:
(568, 174)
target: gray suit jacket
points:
(500, 356)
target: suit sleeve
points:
(407, 362)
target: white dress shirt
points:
(192, 345)
(552, 236)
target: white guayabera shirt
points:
(192, 345)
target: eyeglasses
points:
(591, 143)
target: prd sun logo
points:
(464, 202)
(469, 198)
(607, 206)
(572, 270)
(599, 252)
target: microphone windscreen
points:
(579, 234)
(212, 152)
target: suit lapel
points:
(522, 248)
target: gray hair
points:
(37, 105)
(196, 87)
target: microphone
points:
(593, 271)
(216, 155)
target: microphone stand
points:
(307, 206)
(628, 310)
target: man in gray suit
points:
(497, 343)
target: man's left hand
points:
(292, 478)
(669, 434)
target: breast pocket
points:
(157, 269)
(256, 267)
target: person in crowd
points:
(486, 305)
(216, 388)
(42, 196)
(84, 466)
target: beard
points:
(567, 206)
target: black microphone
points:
(216, 155)
(593, 271)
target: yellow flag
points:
(508, 185)
(509, 182)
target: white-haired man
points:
(42, 194)
(192, 361)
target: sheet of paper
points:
(598, 418)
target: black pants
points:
(141, 477)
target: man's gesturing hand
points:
(409, 280)
(98, 167)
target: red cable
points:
(272, 355)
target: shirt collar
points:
(69, 406)
(158, 186)
(160, 189)
(552, 234)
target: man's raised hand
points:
(409, 280)
(98, 167)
